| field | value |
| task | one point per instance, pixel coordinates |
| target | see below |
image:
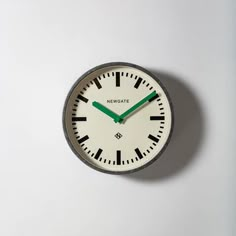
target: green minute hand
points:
(137, 105)
(105, 110)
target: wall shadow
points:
(187, 135)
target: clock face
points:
(117, 118)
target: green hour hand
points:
(136, 106)
(105, 110)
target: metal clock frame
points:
(110, 65)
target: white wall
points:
(45, 46)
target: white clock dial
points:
(117, 118)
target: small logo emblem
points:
(118, 135)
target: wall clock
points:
(118, 118)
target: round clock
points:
(118, 118)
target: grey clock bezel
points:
(101, 67)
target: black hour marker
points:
(97, 83)
(83, 139)
(138, 82)
(153, 138)
(82, 98)
(157, 117)
(98, 153)
(140, 155)
(117, 79)
(79, 118)
(153, 98)
(118, 157)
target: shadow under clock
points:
(187, 135)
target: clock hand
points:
(105, 110)
(137, 105)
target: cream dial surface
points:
(101, 142)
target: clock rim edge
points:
(109, 64)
